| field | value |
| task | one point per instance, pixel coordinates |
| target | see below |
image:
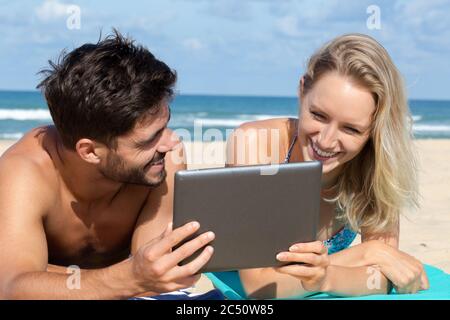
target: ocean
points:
(211, 116)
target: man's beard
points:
(115, 169)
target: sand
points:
(424, 234)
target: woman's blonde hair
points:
(382, 179)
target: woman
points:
(354, 118)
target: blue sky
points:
(257, 47)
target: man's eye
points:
(156, 136)
(160, 133)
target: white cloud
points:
(52, 9)
(193, 44)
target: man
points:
(96, 189)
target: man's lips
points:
(157, 163)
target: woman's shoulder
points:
(273, 123)
(260, 142)
(280, 129)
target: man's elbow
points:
(8, 290)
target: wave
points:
(11, 136)
(431, 128)
(177, 120)
(24, 114)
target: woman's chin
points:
(326, 169)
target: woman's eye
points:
(352, 130)
(317, 115)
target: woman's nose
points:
(328, 138)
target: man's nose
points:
(168, 142)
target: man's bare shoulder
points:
(28, 165)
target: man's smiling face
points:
(139, 156)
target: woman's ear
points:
(88, 151)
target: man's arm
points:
(25, 197)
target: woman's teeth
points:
(323, 153)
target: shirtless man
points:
(92, 191)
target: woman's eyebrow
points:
(313, 106)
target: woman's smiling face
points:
(335, 121)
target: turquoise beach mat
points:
(229, 284)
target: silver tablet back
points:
(254, 216)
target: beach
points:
(424, 234)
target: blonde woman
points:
(354, 118)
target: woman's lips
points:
(314, 155)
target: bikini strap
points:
(288, 155)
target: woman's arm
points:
(267, 283)
(405, 272)
(315, 275)
(364, 269)
(378, 256)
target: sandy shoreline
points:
(424, 234)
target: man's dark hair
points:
(99, 91)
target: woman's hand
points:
(404, 271)
(311, 264)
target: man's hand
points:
(155, 265)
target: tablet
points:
(254, 211)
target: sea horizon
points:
(22, 110)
